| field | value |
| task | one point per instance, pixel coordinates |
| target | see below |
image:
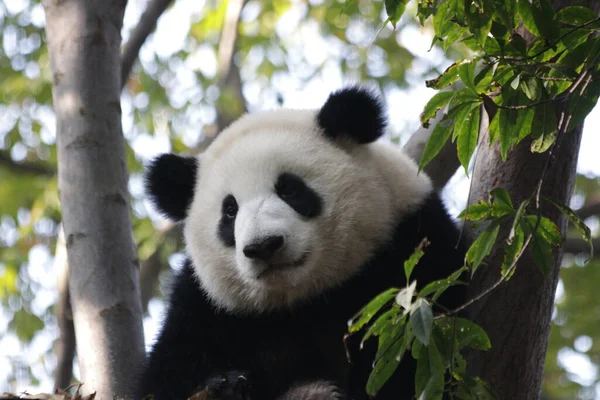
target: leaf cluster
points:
(403, 322)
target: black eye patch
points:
(229, 210)
(296, 193)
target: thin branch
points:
(139, 35)
(25, 167)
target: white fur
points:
(318, 390)
(366, 189)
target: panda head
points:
(286, 204)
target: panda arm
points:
(179, 361)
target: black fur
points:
(275, 351)
(227, 223)
(354, 113)
(294, 191)
(170, 182)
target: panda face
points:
(286, 204)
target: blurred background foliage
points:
(185, 88)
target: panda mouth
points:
(276, 267)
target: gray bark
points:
(84, 42)
(517, 314)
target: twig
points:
(26, 167)
(139, 35)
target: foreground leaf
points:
(437, 102)
(482, 246)
(412, 261)
(421, 322)
(369, 311)
(577, 222)
(429, 378)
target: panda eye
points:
(231, 212)
(230, 207)
(288, 191)
(287, 187)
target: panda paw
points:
(231, 385)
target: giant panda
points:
(293, 220)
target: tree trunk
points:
(84, 45)
(517, 315)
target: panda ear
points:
(354, 113)
(170, 182)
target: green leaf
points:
(575, 15)
(383, 323)
(501, 204)
(480, 23)
(369, 311)
(440, 286)
(389, 354)
(511, 125)
(421, 322)
(484, 78)
(581, 227)
(581, 105)
(437, 102)
(453, 34)
(442, 19)
(467, 131)
(429, 377)
(482, 246)
(474, 389)
(465, 332)
(512, 249)
(395, 9)
(440, 135)
(541, 251)
(518, 216)
(524, 9)
(532, 87)
(501, 195)
(547, 229)
(412, 261)
(544, 128)
(476, 211)
(466, 72)
(545, 19)
(448, 77)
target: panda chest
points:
(294, 348)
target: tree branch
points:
(26, 167)
(446, 162)
(139, 35)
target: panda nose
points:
(263, 249)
